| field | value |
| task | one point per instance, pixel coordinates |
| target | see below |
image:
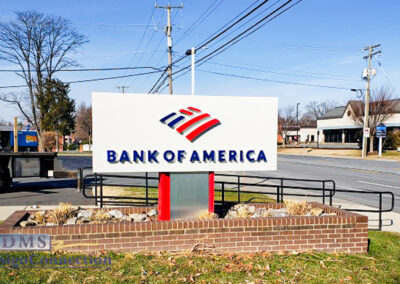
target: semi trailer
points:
(22, 160)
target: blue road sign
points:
(381, 130)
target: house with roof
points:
(338, 125)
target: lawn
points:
(380, 265)
(391, 153)
(140, 192)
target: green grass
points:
(244, 197)
(380, 265)
(74, 153)
(392, 153)
(229, 196)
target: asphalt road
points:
(354, 174)
(48, 191)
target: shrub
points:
(392, 140)
(72, 147)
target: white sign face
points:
(164, 133)
(366, 132)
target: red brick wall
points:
(346, 232)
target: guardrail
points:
(324, 189)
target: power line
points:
(161, 57)
(311, 46)
(216, 34)
(200, 19)
(118, 55)
(158, 80)
(141, 39)
(230, 33)
(88, 69)
(148, 61)
(184, 57)
(282, 73)
(273, 81)
(308, 73)
(253, 28)
(384, 73)
(92, 80)
(243, 34)
(249, 30)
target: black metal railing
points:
(380, 208)
(276, 190)
(98, 181)
(280, 184)
(233, 184)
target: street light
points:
(192, 52)
(297, 122)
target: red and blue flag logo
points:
(191, 122)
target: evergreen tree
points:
(56, 107)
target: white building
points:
(337, 125)
(307, 134)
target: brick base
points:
(346, 232)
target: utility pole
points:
(122, 88)
(168, 30)
(297, 122)
(371, 53)
(15, 135)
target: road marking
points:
(379, 184)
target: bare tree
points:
(382, 106)
(39, 45)
(286, 120)
(317, 109)
(5, 123)
(307, 119)
(83, 123)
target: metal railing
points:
(277, 190)
(268, 186)
(281, 184)
(380, 209)
(98, 181)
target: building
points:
(338, 126)
(307, 134)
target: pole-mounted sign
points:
(381, 130)
(142, 133)
(380, 133)
(367, 132)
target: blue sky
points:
(316, 42)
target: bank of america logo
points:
(190, 122)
